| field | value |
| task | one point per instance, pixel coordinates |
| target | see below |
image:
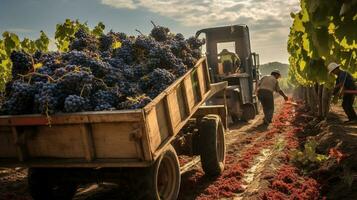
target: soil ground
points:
(258, 163)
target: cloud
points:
(268, 20)
(130, 4)
(211, 12)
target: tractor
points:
(242, 103)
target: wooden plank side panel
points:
(71, 163)
(87, 135)
(72, 118)
(145, 140)
(201, 76)
(181, 103)
(185, 98)
(157, 125)
(7, 143)
(19, 138)
(115, 140)
(169, 113)
(176, 107)
(189, 92)
(59, 141)
(123, 116)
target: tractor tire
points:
(163, 179)
(45, 185)
(235, 118)
(249, 112)
(212, 145)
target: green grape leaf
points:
(298, 24)
(98, 29)
(11, 41)
(43, 42)
(28, 45)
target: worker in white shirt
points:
(266, 87)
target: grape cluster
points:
(96, 75)
(105, 100)
(84, 41)
(46, 100)
(20, 99)
(75, 103)
(157, 81)
(160, 33)
(106, 43)
(22, 63)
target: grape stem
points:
(153, 23)
(139, 32)
(38, 74)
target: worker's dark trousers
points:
(347, 105)
(267, 100)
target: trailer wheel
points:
(43, 185)
(212, 145)
(164, 177)
(249, 111)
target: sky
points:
(268, 20)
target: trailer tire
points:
(43, 185)
(212, 145)
(164, 178)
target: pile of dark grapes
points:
(97, 74)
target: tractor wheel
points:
(249, 112)
(45, 185)
(235, 118)
(212, 145)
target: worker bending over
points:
(266, 87)
(344, 84)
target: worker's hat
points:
(332, 66)
(276, 71)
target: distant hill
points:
(265, 69)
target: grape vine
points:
(322, 32)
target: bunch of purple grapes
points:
(108, 72)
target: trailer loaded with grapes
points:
(112, 108)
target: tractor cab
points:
(241, 73)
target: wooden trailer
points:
(67, 149)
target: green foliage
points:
(31, 46)
(65, 32)
(308, 159)
(63, 36)
(99, 29)
(11, 42)
(322, 32)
